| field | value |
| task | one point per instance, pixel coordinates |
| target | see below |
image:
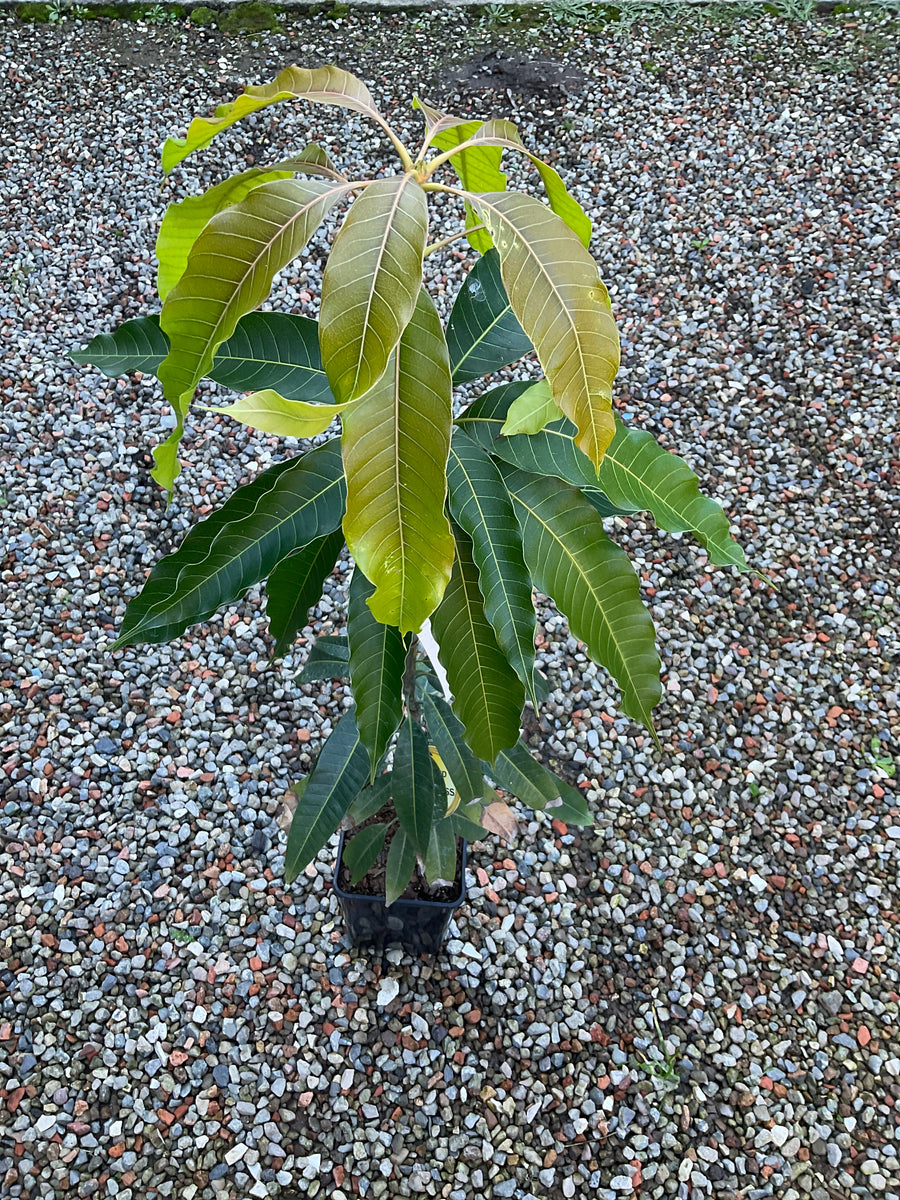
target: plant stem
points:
(405, 156)
(409, 676)
(452, 238)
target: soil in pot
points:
(373, 883)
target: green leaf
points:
(414, 785)
(487, 693)
(561, 303)
(372, 799)
(440, 861)
(532, 783)
(483, 333)
(274, 350)
(270, 413)
(465, 826)
(571, 808)
(323, 85)
(371, 283)
(591, 581)
(377, 659)
(551, 451)
(284, 508)
(229, 273)
(267, 350)
(636, 473)
(401, 862)
(341, 770)
(362, 850)
(329, 658)
(395, 445)
(505, 135)
(446, 734)
(138, 345)
(295, 585)
(480, 505)
(531, 411)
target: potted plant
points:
(451, 521)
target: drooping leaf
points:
(362, 850)
(229, 273)
(371, 283)
(497, 817)
(636, 474)
(531, 411)
(183, 221)
(284, 508)
(477, 168)
(329, 658)
(322, 85)
(267, 350)
(341, 771)
(401, 862)
(270, 413)
(395, 445)
(377, 658)
(591, 581)
(440, 861)
(504, 134)
(561, 303)
(571, 808)
(372, 799)
(483, 333)
(487, 694)
(446, 734)
(519, 772)
(414, 789)
(295, 585)
(464, 823)
(480, 505)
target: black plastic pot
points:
(419, 926)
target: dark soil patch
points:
(502, 71)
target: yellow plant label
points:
(452, 797)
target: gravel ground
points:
(697, 997)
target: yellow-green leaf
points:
(270, 413)
(229, 273)
(395, 444)
(532, 411)
(476, 167)
(371, 283)
(322, 85)
(504, 135)
(183, 222)
(561, 303)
